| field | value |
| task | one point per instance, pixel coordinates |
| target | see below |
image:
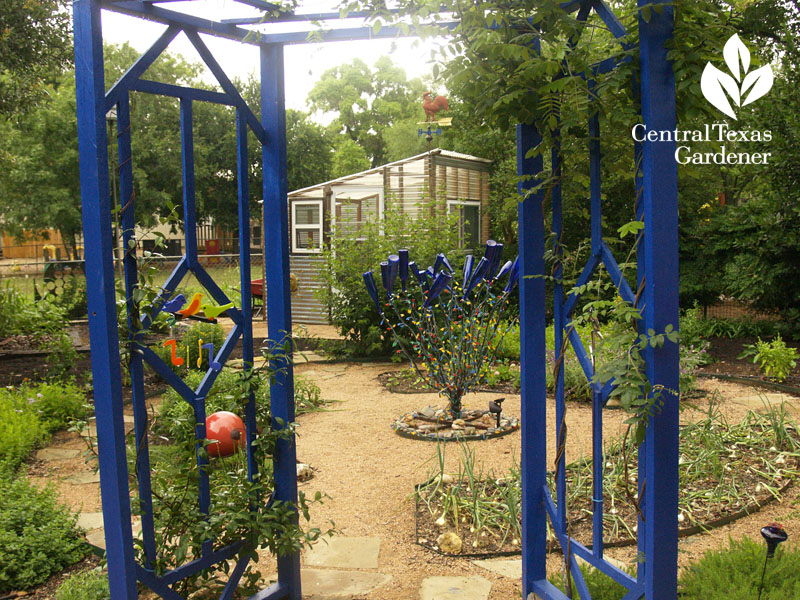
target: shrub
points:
(176, 417)
(44, 322)
(38, 536)
(774, 358)
(21, 430)
(29, 413)
(88, 585)
(352, 311)
(734, 573)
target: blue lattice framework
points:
(656, 296)
(657, 285)
(93, 103)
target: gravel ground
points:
(369, 473)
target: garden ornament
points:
(226, 433)
(448, 327)
(215, 366)
(496, 409)
(212, 311)
(175, 304)
(176, 360)
(433, 106)
(193, 306)
(773, 534)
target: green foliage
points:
(37, 43)
(87, 585)
(352, 311)
(176, 417)
(599, 584)
(368, 103)
(30, 413)
(71, 298)
(734, 573)
(209, 333)
(774, 358)
(38, 536)
(238, 508)
(308, 151)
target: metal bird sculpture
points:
(212, 311)
(193, 306)
(175, 304)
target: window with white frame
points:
(354, 208)
(306, 226)
(469, 222)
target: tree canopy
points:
(35, 44)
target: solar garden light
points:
(448, 327)
(496, 409)
(773, 534)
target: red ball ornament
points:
(225, 432)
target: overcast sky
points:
(304, 63)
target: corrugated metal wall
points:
(305, 307)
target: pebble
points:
(428, 412)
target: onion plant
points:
(448, 327)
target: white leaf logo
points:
(718, 86)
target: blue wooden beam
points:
(226, 84)
(348, 34)
(140, 66)
(187, 164)
(136, 366)
(279, 311)
(660, 263)
(177, 91)
(532, 360)
(99, 243)
(170, 17)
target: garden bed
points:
(727, 472)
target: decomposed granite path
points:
(369, 472)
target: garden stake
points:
(773, 534)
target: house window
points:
(354, 210)
(469, 222)
(307, 226)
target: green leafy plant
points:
(38, 536)
(87, 585)
(347, 258)
(599, 584)
(240, 505)
(775, 358)
(734, 573)
(31, 412)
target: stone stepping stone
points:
(511, 568)
(345, 553)
(455, 588)
(53, 454)
(83, 478)
(763, 403)
(98, 536)
(324, 584)
(90, 521)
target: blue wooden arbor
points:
(656, 294)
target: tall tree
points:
(367, 102)
(35, 44)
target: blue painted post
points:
(279, 312)
(127, 209)
(532, 361)
(243, 193)
(560, 343)
(660, 198)
(107, 380)
(187, 159)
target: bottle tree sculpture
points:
(449, 328)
